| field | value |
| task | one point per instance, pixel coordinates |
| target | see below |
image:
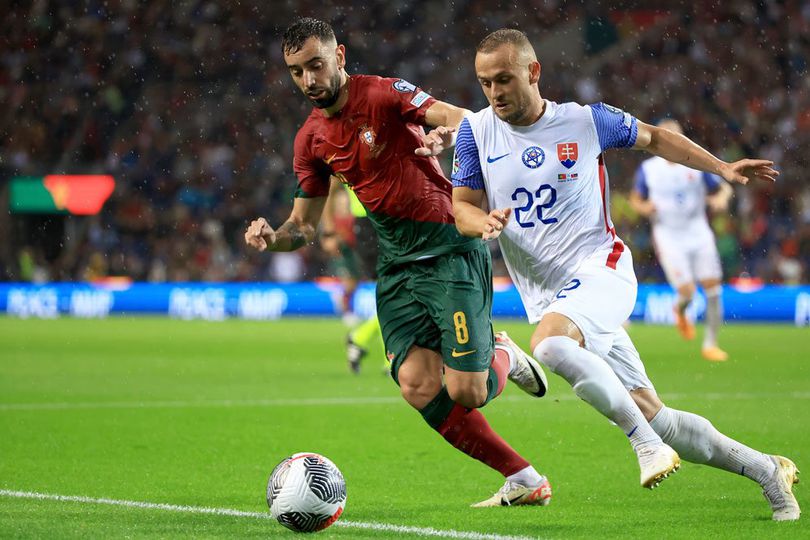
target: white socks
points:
(696, 440)
(594, 382)
(714, 316)
(526, 477)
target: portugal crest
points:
(568, 153)
(369, 136)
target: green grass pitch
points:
(198, 413)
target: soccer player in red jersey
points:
(367, 131)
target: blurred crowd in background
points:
(188, 104)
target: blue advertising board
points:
(268, 301)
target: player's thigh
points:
(708, 268)
(675, 260)
(598, 300)
(556, 324)
(458, 291)
(404, 320)
(420, 376)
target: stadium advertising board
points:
(269, 301)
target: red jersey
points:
(369, 145)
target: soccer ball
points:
(306, 492)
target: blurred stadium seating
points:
(189, 106)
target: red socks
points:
(469, 431)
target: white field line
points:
(342, 401)
(383, 527)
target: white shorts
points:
(687, 262)
(599, 299)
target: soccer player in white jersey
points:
(539, 168)
(674, 197)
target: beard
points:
(330, 95)
(517, 114)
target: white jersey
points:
(552, 174)
(679, 195)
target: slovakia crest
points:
(568, 153)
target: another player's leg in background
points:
(685, 327)
(421, 384)
(698, 441)
(556, 344)
(362, 340)
(713, 290)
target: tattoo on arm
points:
(290, 236)
(297, 239)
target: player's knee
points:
(418, 391)
(713, 289)
(468, 391)
(468, 395)
(553, 351)
(648, 402)
(687, 292)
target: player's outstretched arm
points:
(297, 231)
(472, 220)
(445, 118)
(679, 149)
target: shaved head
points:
(509, 36)
(671, 124)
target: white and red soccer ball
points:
(306, 492)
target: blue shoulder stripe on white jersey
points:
(616, 128)
(466, 164)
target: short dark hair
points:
(501, 37)
(301, 30)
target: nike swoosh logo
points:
(541, 387)
(510, 502)
(332, 158)
(456, 354)
(494, 159)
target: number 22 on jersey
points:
(523, 213)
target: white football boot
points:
(656, 463)
(512, 494)
(778, 489)
(527, 373)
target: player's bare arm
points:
(679, 149)
(298, 231)
(472, 219)
(445, 118)
(643, 206)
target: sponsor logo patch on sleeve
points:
(419, 98)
